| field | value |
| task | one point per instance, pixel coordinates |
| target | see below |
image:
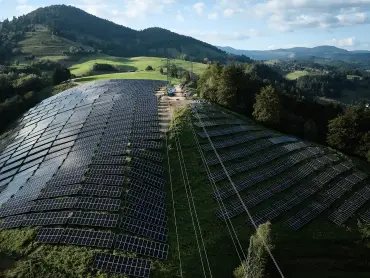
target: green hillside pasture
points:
(296, 74)
(84, 66)
(299, 73)
(41, 43)
(152, 75)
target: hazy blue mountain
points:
(324, 51)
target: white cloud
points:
(179, 17)
(213, 16)
(22, 2)
(142, 8)
(228, 12)
(288, 15)
(198, 7)
(345, 42)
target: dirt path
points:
(168, 105)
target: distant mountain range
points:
(323, 52)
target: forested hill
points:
(85, 29)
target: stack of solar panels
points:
(300, 193)
(237, 140)
(325, 200)
(251, 149)
(257, 161)
(282, 183)
(350, 206)
(272, 170)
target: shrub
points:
(149, 68)
(104, 67)
(28, 83)
(60, 75)
(257, 262)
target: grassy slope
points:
(220, 250)
(135, 63)
(299, 73)
(152, 75)
(41, 43)
(320, 249)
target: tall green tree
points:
(347, 132)
(209, 81)
(231, 86)
(267, 107)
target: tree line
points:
(22, 88)
(260, 92)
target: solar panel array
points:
(326, 199)
(278, 165)
(300, 193)
(282, 183)
(350, 206)
(262, 158)
(80, 160)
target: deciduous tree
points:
(267, 107)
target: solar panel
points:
(49, 235)
(147, 155)
(60, 191)
(54, 204)
(141, 246)
(8, 210)
(350, 206)
(12, 222)
(151, 216)
(145, 201)
(101, 190)
(35, 156)
(94, 219)
(108, 170)
(105, 179)
(366, 216)
(139, 187)
(98, 204)
(143, 228)
(47, 218)
(87, 238)
(153, 180)
(110, 160)
(147, 145)
(148, 166)
(123, 265)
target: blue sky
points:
(243, 24)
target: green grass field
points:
(299, 73)
(84, 66)
(153, 75)
(295, 75)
